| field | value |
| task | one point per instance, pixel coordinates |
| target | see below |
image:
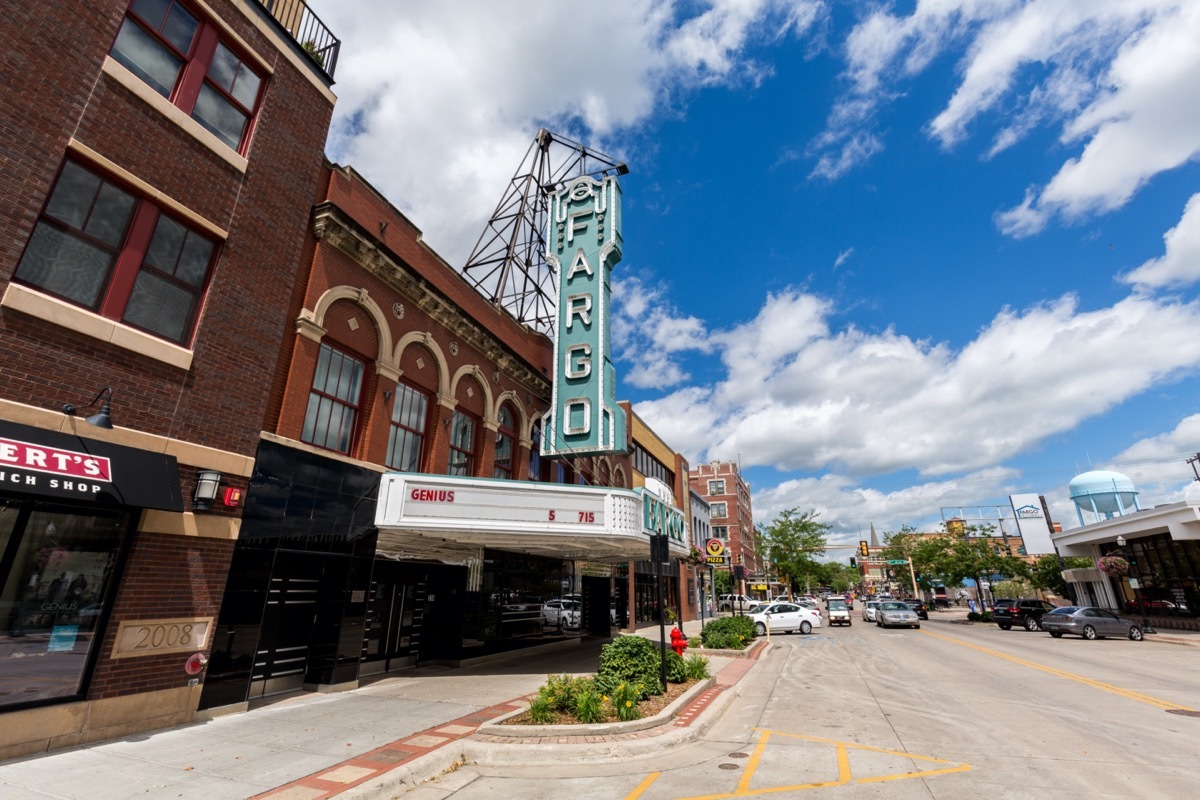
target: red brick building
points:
(160, 162)
(731, 515)
(396, 364)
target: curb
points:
(675, 726)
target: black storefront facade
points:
(311, 602)
(69, 509)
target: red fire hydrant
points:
(679, 642)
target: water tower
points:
(1105, 493)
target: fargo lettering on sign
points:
(584, 245)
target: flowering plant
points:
(695, 557)
(1114, 566)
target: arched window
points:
(406, 442)
(462, 444)
(333, 403)
(535, 452)
(505, 440)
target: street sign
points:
(895, 561)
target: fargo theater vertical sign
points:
(584, 245)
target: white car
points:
(869, 610)
(784, 617)
(561, 613)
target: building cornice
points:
(332, 227)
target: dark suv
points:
(917, 606)
(1026, 613)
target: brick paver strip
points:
(386, 758)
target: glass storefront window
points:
(56, 568)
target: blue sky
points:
(893, 258)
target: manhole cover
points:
(729, 766)
(739, 755)
(1183, 712)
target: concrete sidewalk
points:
(397, 729)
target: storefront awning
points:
(446, 518)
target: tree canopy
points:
(792, 543)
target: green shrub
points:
(625, 697)
(972, 616)
(540, 710)
(728, 633)
(589, 707)
(986, 617)
(561, 691)
(676, 669)
(630, 660)
(696, 667)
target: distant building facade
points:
(732, 513)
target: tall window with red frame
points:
(333, 403)
(506, 439)
(181, 56)
(462, 444)
(406, 443)
(102, 247)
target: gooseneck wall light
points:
(102, 418)
(207, 483)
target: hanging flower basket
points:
(695, 557)
(1114, 566)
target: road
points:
(948, 712)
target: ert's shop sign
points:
(68, 467)
(584, 246)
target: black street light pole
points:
(1137, 592)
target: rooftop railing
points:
(307, 30)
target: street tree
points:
(974, 557)
(793, 542)
(1047, 572)
(927, 553)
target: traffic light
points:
(862, 548)
(853, 562)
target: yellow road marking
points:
(845, 775)
(643, 786)
(1108, 687)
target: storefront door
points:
(392, 632)
(288, 619)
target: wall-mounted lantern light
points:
(207, 483)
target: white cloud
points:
(649, 335)
(851, 508)
(1180, 262)
(1121, 78)
(842, 257)
(796, 396)
(437, 114)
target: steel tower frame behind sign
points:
(508, 264)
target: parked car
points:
(870, 608)
(561, 613)
(836, 610)
(917, 606)
(1090, 623)
(894, 613)
(733, 602)
(785, 617)
(807, 602)
(1027, 613)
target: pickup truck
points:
(1026, 613)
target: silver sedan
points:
(892, 613)
(1090, 623)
